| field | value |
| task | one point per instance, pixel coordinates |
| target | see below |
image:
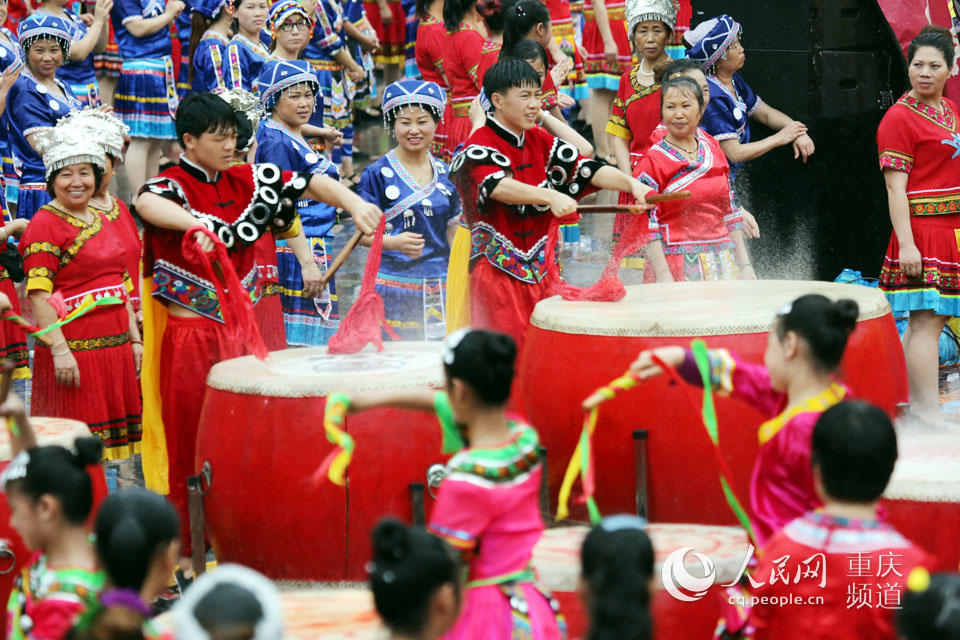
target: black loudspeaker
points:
(835, 65)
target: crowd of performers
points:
(483, 179)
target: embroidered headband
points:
(413, 93)
(210, 9)
(711, 39)
(278, 75)
(282, 10)
(38, 26)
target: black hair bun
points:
(89, 451)
(936, 29)
(846, 312)
(391, 542)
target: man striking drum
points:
(185, 333)
(511, 173)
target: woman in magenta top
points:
(792, 387)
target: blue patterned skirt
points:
(146, 97)
(415, 307)
(308, 321)
(31, 197)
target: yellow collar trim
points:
(818, 403)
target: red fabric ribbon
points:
(362, 324)
(609, 288)
(235, 304)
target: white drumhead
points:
(312, 372)
(556, 557)
(690, 309)
(928, 467)
(49, 431)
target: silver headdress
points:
(244, 102)
(639, 10)
(64, 144)
(270, 626)
(106, 130)
(16, 470)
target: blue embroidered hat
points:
(407, 93)
(284, 9)
(710, 40)
(278, 75)
(43, 25)
(210, 9)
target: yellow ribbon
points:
(580, 460)
(333, 418)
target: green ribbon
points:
(452, 440)
(709, 413)
(70, 317)
(585, 455)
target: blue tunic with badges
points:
(35, 107)
(408, 206)
(155, 45)
(244, 61)
(413, 290)
(10, 58)
(277, 144)
(727, 116)
(328, 35)
(208, 63)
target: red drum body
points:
(261, 431)
(13, 554)
(573, 348)
(923, 498)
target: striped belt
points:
(461, 107)
(613, 13)
(91, 344)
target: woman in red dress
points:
(431, 45)
(919, 145)
(466, 35)
(90, 371)
(688, 239)
(565, 46)
(608, 57)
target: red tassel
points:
(363, 323)
(235, 304)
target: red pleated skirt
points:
(13, 341)
(392, 36)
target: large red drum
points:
(13, 554)
(572, 348)
(261, 431)
(923, 498)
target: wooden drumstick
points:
(341, 257)
(653, 198)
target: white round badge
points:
(392, 192)
(54, 104)
(311, 158)
(386, 172)
(41, 89)
(737, 113)
(3, 52)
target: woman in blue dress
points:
(78, 70)
(10, 62)
(37, 99)
(422, 208)
(338, 73)
(716, 46)
(210, 29)
(247, 53)
(146, 96)
(289, 91)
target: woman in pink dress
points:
(792, 388)
(488, 506)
